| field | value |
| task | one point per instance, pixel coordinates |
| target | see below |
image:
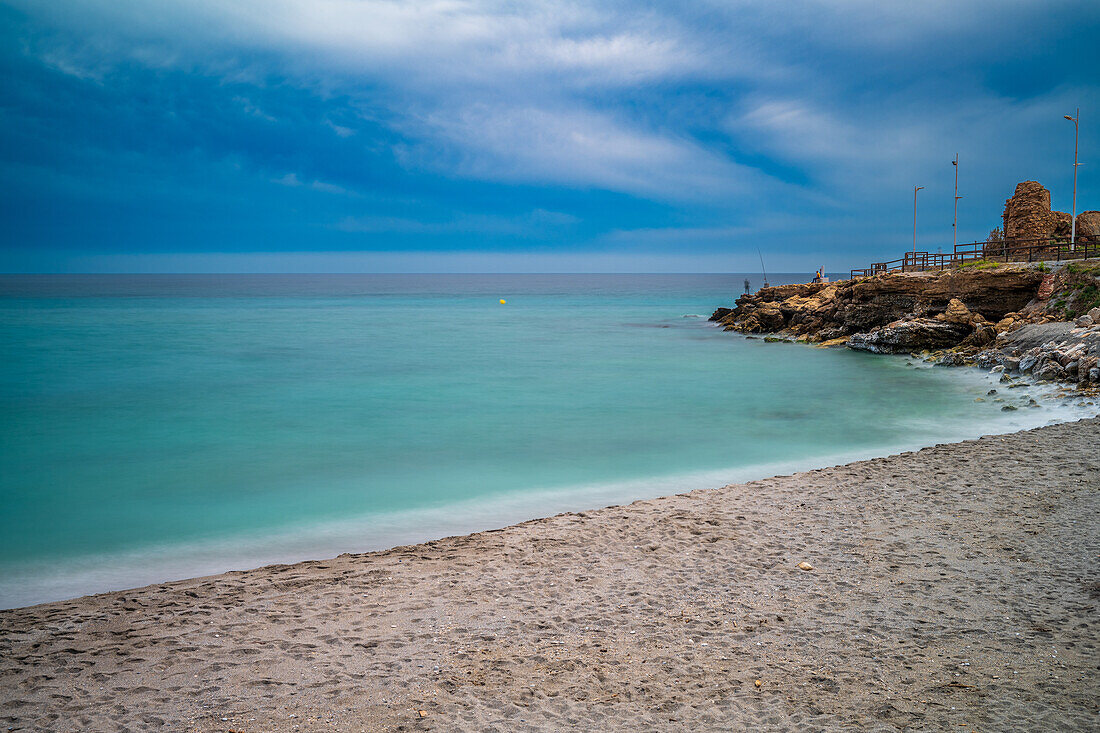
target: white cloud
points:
(328, 187)
(290, 179)
(575, 147)
(498, 90)
(858, 99)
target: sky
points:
(528, 136)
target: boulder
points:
(720, 313)
(913, 335)
(983, 336)
(956, 312)
(989, 360)
(1050, 370)
(952, 359)
(770, 317)
(1085, 367)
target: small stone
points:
(805, 566)
(1008, 408)
(758, 683)
(421, 713)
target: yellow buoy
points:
(502, 301)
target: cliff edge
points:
(962, 316)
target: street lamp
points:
(1073, 226)
(955, 222)
(915, 189)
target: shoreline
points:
(1043, 321)
(160, 565)
(660, 613)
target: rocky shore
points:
(1035, 319)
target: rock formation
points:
(918, 334)
(961, 316)
(825, 311)
(1028, 215)
(1088, 226)
(1058, 351)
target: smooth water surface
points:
(157, 427)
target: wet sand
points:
(957, 588)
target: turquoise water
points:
(160, 427)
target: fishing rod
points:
(762, 267)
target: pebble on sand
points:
(758, 683)
(805, 565)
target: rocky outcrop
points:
(825, 311)
(954, 317)
(1088, 226)
(918, 334)
(1057, 351)
(1027, 215)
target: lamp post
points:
(915, 189)
(1073, 226)
(955, 221)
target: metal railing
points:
(1039, 249)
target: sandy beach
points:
(952, 588)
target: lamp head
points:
(1069, 118)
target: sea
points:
(158, 427)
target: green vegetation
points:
(1087, 298)
(1043, 267)
(1079, 269)
(980, 265)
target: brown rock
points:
(956, 312)
(836, 310)
(1088, 226)
(1027, 214)
(770, 317)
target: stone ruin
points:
(1028, 215)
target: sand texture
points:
(954, 588)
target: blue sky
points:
(454, 135)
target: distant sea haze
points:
(158, 427)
